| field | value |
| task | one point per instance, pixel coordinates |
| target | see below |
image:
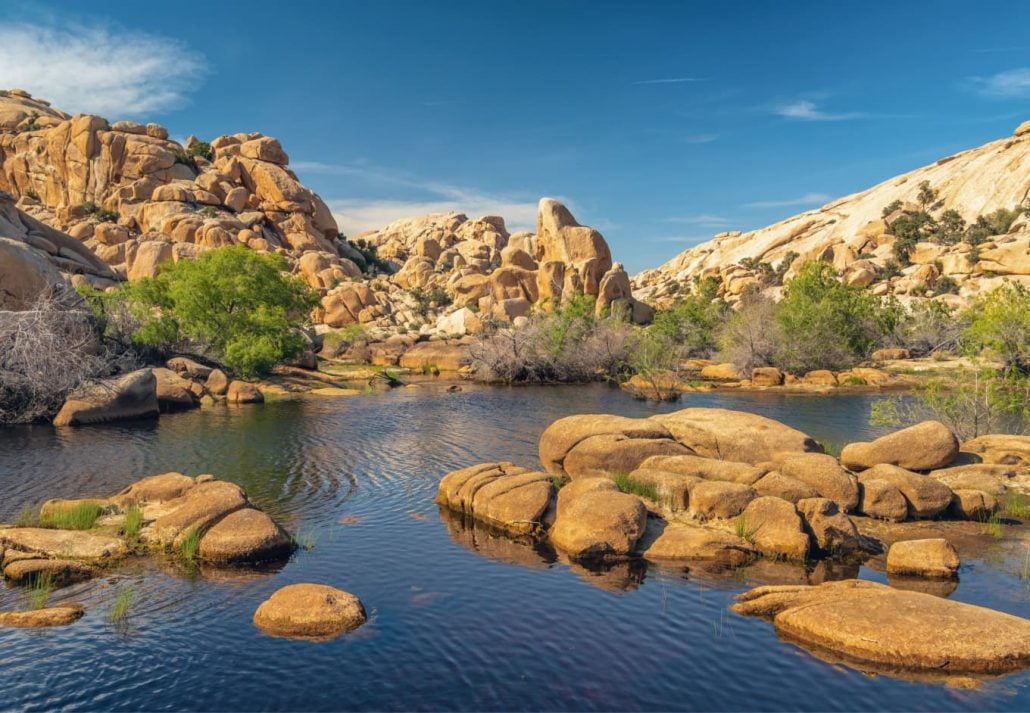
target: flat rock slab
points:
(36, 618)
(894, 629)
(61, 572)
(66, 544)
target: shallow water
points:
(459, 618)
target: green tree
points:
(824, 324)
(693, 321)
(1000, 321)
(233, 304)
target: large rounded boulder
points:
(562, 436)
(309, 611)
(596, 520)
(925, 446)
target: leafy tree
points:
(950, 227)
(927, 196)
(1000, 321)
(232, 304)
(824, 323)
(691, 323)
(202, 149)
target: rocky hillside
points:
(137, 199)
(858, 234)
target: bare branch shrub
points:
(46, 352)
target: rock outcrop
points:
(892, 629)
(853, 234)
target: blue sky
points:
(659, 123)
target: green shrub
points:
(201, 149)
(693, 321)
(1000, 321)
(425, 300)
(231, 303)
(185, 159)
(824, 324)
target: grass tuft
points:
(81, 516)
(121, 605)
(744, 530)
(190, 545)
(992, 525)
(304, 540)
(628, 485)
(1016, 505)
(27, 517)
(133, 523)
(558, 482)
(39, 591)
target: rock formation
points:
(854, 235)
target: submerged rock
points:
(902, 630)
(314, 611)
(925, 446)
(934, 557)
(61, 615)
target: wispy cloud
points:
(691, 239)
(704, 220)
(673, 80)
(420, 197)
(809, 199)
(701, 138)
(1013, 83)
(807, 110)
(98, 69)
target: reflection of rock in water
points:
(937, 587)
(611, 576)
(486, 541)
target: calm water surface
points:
(459, 619)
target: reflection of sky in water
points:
(459, 618)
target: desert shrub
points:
(568, 344)
(232, 305)
(971, 403)
(1000, 321)
(46, 351)
(652, 357)
(929, 326)
(425, 300)
(184, 158)
(824, 324)
(750, 337)
(201, 149)
(692, 322)
(369, 261)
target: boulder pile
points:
(717, 484)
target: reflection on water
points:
(460, 617)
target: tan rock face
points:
(240, 392)
(734, 435)
(131, 396)
(715, 499)
(596, 521)
(309, 611)
(707, 468)
(831, 530)
(825, 474)
(881, 499)
(501, 494)
(563, 435)
(851, 233)
(687, 542)
(560, 238)
(246, 535)
(923, 558)
(775, 528)
(900, 630)
(38, 618)
(926, 497)
(608, 454)
(1000, 449)
(444, 356)
(783, 486)
(925, 446)
(63, 544)
(61, 572)
(195, 510)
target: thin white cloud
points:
(705, 220)
(692, 239)
(701, 138)
(673, 80)
(1012, 83)
(98, 69)
(807, 110)
(355, 215)
(809, 199)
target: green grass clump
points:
(558, 482)
(304, 540)
(39, 591)
(628, 485)
(833, 448)
(81, 516)
(992, 526)
(121, 605)
(1017, 506)
(133, 523)
(743, 529)
(190, 545)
